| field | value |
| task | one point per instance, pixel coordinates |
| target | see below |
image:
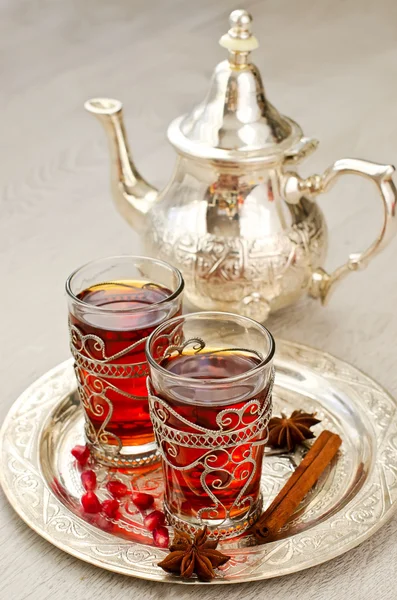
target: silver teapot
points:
(236, 218)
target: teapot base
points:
(252, 305)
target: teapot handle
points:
(381, 175)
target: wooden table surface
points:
(330, 65)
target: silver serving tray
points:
(352, 500)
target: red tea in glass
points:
(210, 403)
(110, 320)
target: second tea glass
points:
(114, 305)
(210, 399)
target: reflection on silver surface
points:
(351, 501)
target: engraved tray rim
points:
(20, 466)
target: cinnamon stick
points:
(297, 486)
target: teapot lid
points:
(235, 122)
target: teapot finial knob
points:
(240, 24)
(239, 39)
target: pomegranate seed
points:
(91, 503)
(161, 537)
(111, 508)
(81, 454)
(154, 520)
(88, 479)
(141, 500)
(117, 488)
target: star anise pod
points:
(287, 432)
(193, 555)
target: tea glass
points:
(114, 304)
(210, 399)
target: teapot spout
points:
(133, 195)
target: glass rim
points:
(102, 309)
(191, 380)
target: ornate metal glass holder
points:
(94, 387)
(211, 432)
(114, 304)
